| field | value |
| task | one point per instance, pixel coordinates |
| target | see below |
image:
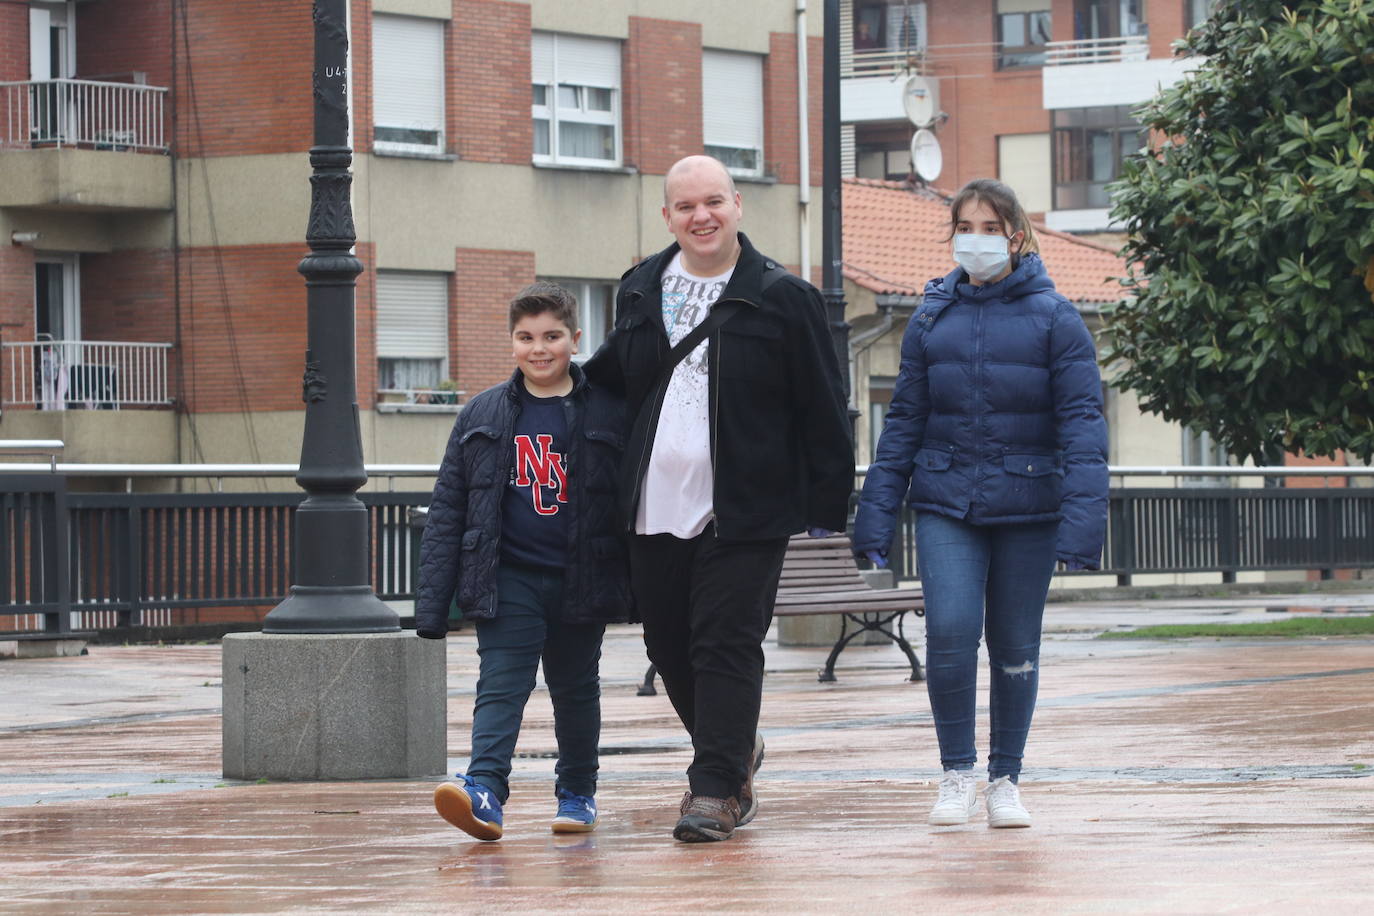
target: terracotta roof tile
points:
(894, 242)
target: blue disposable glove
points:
(819, 532)
(877, 557)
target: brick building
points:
(154, 193)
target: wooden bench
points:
(819, 576)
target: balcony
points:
(71, 144)
(67, 374)
(1097, 50)
(889, 62)
(420, 400)
(872, 83)
(1099, 72)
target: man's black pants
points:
(706, 604)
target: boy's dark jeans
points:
(510, 645)
(706, 605)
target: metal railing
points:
(418, 400)
(85, 113)
(76, 561)
(1195, 529)
(886, 62)
(1097, 50)
(72, 562)
(58, 374)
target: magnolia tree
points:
(1249, 309)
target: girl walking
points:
(995, 435)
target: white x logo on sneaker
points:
(484, 799)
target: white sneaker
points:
(958, 799)
(1004, 804)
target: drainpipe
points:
(861, 342)
(803, 144)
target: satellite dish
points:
(918, 100)
(925, 155)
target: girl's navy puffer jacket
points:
(996, 417)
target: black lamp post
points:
(832, 246)
(331, 593)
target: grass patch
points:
(1324, 625)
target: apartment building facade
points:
(1037, 93)
(154, 192)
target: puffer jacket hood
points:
(996, 417)
(1026, 278)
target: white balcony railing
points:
(59, 374)
(885, 62)
(419, 400)
(85, 113)
(1097, 50)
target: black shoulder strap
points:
(718, 315)
(772, 273)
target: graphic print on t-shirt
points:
(676, 496)
(686, 301)
(540, 470)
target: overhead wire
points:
(218, 256)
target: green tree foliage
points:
(1248, 307)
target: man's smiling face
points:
(703, 211)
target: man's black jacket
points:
(782, 455)
(462, 542)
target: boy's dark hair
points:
(541, 297)
(1002, 200)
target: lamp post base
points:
(339, 706)
(332, 609)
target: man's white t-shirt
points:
(678, 486)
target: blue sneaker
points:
(469, 806)
(576, 813)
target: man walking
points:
(737, 442)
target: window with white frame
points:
(732, 109)
(595, 310)
(575, 101)
(407, 84)
(412, 331)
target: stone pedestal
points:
(824, 629)
(334, 706)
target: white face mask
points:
(981, 256)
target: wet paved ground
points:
(1199, 776)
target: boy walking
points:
(523, 530)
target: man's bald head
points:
(702, 210)
(692, 164)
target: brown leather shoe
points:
(706, 819)
(748, 802)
